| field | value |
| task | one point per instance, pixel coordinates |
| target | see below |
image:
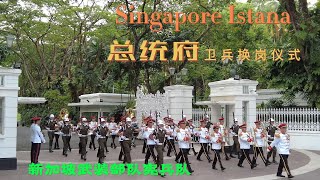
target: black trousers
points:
(35, 151)
(92, 141)
(245, 155)
(113, 138)
(83, 144)
(258, 151)
(121, 152)
(51, 137)
(184, 158)
(150, 152)
(204, 149)
(216, 157)
(179, 155)
(66, 144)
(171, 146)
(283, 164)
(144, 146)
(56, 144)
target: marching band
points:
(160, 133)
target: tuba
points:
(63, 114)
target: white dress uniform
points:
(36, 134)
(258, 150)
(245, 148)
(92, 125)
(258, 137)
(203, 132)
(243, 140)
(146, 135)
(36, 139)
(150, 145)
(184, 146)
(181, 135)
(216, 145)
(282, 143)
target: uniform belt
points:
(80, 135)
(66, 134)
(101, 137)
(160, 144)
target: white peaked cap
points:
(160, 122)
(207, 116)
(51, 115)
(169, 116)
(84, 119)
(184, 116)
(128, 119)
(271, 119)
(236, 119)
(66, 119)
(66, 116)
(102, 120)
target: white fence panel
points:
(198, 114)
(297, 119)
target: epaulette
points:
(212, 135)
(240, 134)
(277, 135)
(178, 130)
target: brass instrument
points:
(63, 113)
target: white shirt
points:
(203, 132)
(282, 142)
(243, 140)
(170, 129)
(258, 138)
(112, 126)
(92, 126)
(180, 136)
(59, 124)
(146, 135)
(36, 134)
(216, 145)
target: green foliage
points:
(56, 101)
(274, 103)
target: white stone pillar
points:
(215, 113)
(238, 112)
(180, 98)
(252, 112)
(9, 107)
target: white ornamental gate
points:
(151, 103)
(198, 114)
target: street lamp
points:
(10, 39)
(233, 71)
(179, 75)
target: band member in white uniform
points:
(171, 137)
(216, 140)
(245, 139)
(282, 143)
(259, 137)
(92, 132)
(149, 136)
(36, 139)
(184, 138)
(224, 134)
(112, 126)
(204, 140)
